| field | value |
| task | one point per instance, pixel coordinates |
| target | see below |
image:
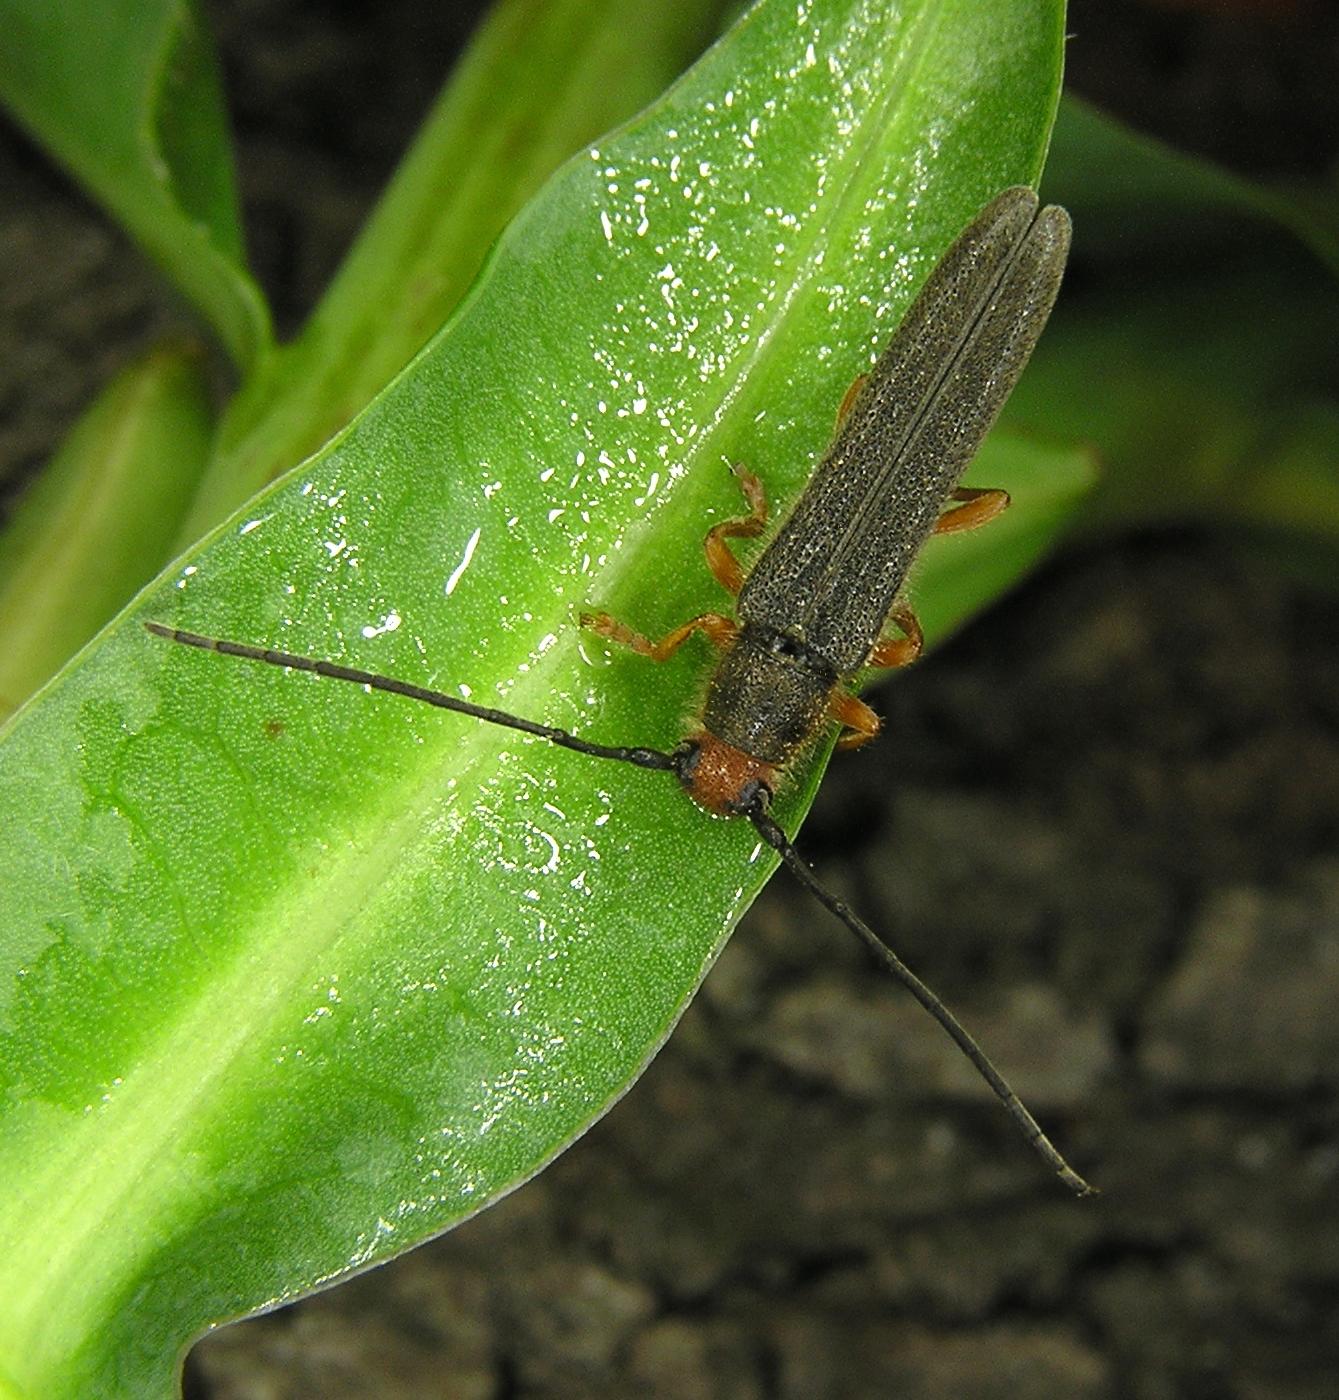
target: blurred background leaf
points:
(99, 523)
(1195, 347)
(127, 96)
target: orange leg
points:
(723, 565)
(859, 723)
(978, 505)
(899, 651)
(719, 631)
(850, 396)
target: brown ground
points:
(1103, 821)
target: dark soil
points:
(1103, 822)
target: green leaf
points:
(294, 978)
(537, 82)
(1201, 365)
(1130, 193)
(127, 96)
(99, 523)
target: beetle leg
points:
(899, 651)
(719, 631)
(859, 723)
(850, 396)
(722, 563)
(978, 505)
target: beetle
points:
(811, 612)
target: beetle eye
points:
(755, 795)
(686, 757)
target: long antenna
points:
(755, 810)
(1025, 1122)
(642, 758)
